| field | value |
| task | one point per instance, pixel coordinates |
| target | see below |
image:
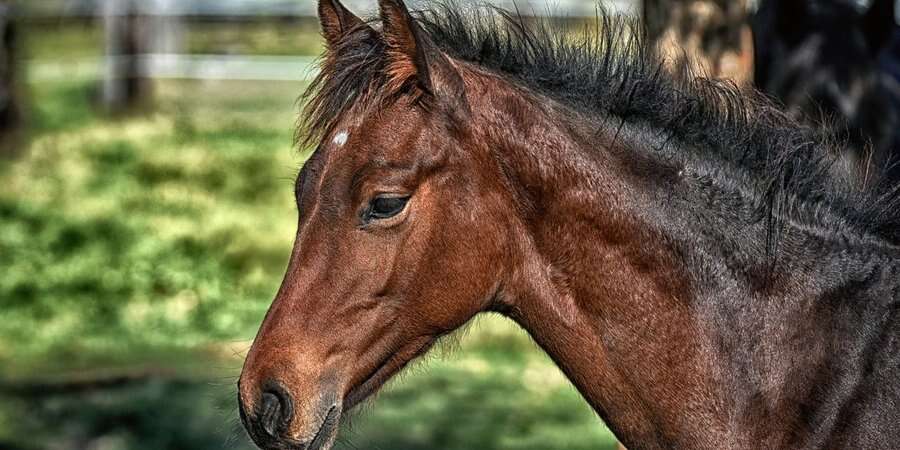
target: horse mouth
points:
(389, 365)
(327, 429)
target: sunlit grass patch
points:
(141, 231)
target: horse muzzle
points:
(276, 420)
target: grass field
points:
(138, 255)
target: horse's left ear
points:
(337, 22)
(413, 60)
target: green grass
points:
(154, 244)
(161, 231)
(290, 38)
(63, 41)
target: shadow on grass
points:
(153, 414)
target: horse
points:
(685, 253)
(820, 59)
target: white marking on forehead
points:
(341, 138)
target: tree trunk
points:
(125, 86)
(702, 37)
(10, 103)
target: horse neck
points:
(640, 295)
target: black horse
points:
(824, 60)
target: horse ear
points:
(337, 21)
(415, 61)
(408, 48)
(878, 24)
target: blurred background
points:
(146, 218)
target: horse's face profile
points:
(397, 244)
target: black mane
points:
(607, 71)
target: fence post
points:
(125, 86)
(10, 102)
(168, 30)
(706, 37)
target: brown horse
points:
(681, 249)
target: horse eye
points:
(385, 207)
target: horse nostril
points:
(275, 411)
(269, 413)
